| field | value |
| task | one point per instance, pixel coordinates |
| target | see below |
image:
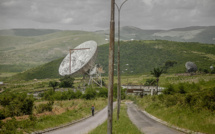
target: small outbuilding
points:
(142, 90)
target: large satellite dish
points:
(191, 67)
(79, 60)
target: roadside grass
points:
(184, 117)
(121, 126)
(72, 110)
(81, 109)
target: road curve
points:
(146, 124)
(84, 126)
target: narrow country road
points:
(146, 124)
(84, 126)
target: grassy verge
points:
(189, 105)
(122, 126)
(199, 120)
(72, 110)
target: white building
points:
(140, 89)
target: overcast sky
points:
(95, 14)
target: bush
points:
(45, 107)
(170, 100)
(208, 100)
(53, 84)
(181, 89)
(103, 92)
(150, 82)
(169, 90)
(67, 81)
(2, 114)
(90, 93)
(78, 94)
(10, 127)
(71, 94)
(16, 104)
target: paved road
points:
(146, 124)
(84, 126)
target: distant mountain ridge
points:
(27, 32)
(202, 34)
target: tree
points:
(67, 81)
(53, 84)
(157, 73)
(168, 64)
(150, 82)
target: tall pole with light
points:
(111, 70)
(118, 62)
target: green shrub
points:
(90, 93)
(150, 82)
(2, 114)
(67, 81)
(45, 107)
(16, 104)
(103, 92)
(53, 84)
(78, 94)
(10, 127)
(170, 100)
(208, 100)
(169, 90)
(71, 94)
(181, 89)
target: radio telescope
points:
(80, 60)
(191, 67)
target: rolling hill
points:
(140, 57)
(24, 52)
(202, 34)
(22, 49)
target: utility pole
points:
(118, 63)
(111, 70)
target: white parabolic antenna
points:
(80, 60)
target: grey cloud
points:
(95, 14)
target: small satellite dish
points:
(191, 67)
(79, 60)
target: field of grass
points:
(192, 109)
(62, 113)
(43, 84)
(164, 79)
(184, 117)
(121, 126)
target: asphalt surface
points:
(146, 124)
(84, 126)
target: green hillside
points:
(138, 57)
(19, 51)
(22, 49)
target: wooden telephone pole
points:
(111, 70)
